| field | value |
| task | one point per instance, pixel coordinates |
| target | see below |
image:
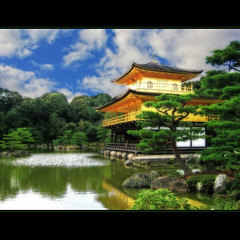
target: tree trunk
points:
(181, 161)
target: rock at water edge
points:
(172, 183)
(140, 180)
(220, 183)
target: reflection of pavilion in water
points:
(115, 199)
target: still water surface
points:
(66, 181)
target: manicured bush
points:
(192, 182)
(161, 199)
(207, 182)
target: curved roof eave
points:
(155, 66)
(125, 95)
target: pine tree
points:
(224, 151)
(17, 139)
(160, 128)
(224, 136)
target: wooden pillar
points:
(111, 135)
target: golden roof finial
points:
(154, 58)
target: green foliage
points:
(151, 141)
(175, 173)
(17, 139)
(69, 137)
(228, 56)
(164, 128)
(224, 202)
(51, 115)
(213, 84)
(79, 138)
(103, 134)
(161, 199)
(9, 99)
(223, 135)
(207, 181)
(233, 187)
(224, 151)
(66, 138)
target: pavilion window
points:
(175, 87)
(149, 84)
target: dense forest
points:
(50, 118)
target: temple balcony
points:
(153, 87)
(132, 148)
(129, 117)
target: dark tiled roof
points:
(158, 67)
(154, 65)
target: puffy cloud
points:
(185, 48)
(24, 82)
(70, 95)
(100, 84)
(22, 42)
(45, 66)
(125, 49)
(12, 44)
(188, 48)
(128, 46)
(42, 34)
(89, 40)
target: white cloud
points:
(45, 66)
(188, 48)
(42, 34)
(22, 42)
(12, 44)
(89, 40)
(70, 95)
(24, 82)
(100, 84)
(117, 60)
(130, 47)
(185, 48)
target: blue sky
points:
(84, 61)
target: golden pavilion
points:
(145, 81)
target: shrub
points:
(161, 199)
(206, 180)
(192, 182)
(224, 202)
(175, 173)
(233, 187)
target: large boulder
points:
(140, 180)
(172, 183)
(220, 183)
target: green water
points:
(67, 181)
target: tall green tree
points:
(229, 56)
(17, 139)
(9, 99)
(224, 151)
(160, 129)
(103, 134)
(79, 138)
(214, 83)
(224, 135)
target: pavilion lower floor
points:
(124, 142)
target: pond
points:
(68, 181)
